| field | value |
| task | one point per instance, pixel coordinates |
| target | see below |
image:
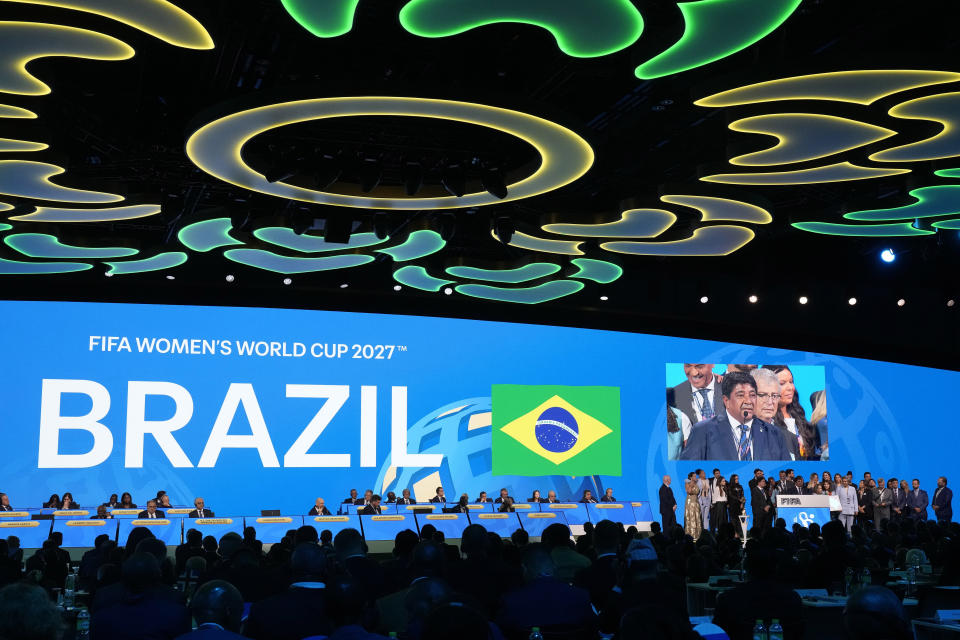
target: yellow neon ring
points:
(216, 147)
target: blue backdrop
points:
(877, 414)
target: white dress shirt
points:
(735, 429)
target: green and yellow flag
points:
(549, 430)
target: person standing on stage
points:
(668, 506)
(692, 520)
(849, 507)
(917, 502)
(942, 499)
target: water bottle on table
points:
(776, 631)
(535, 634)
(83, 624)
(759, 631)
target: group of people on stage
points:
(714, 501)
(153, 508)
(371, 502)
(750, 412)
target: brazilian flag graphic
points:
(555, 430)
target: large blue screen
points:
(196, 401)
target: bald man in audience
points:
(217, 607)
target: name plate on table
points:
(803, 502)
(608, 505)
(203, 521)
(493, 516)
(441, 516)
(948, 615)
(86, 523)
(72, 513)
(20, 525)
(179, 512)
(150, 522)
(14, 514)
(331, 519)
(521, 505)
(482, 505)
(387, 518)
(563, 505)
(275, 520)
(126, 512)
(541, 515)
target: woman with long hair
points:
(692, 517)
(126, 501)
(720, 511)
(52, 503)
(67, 503)
(818, 400)
(791, 414)
(535, 497)
(735, 503)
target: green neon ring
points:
(216, 147)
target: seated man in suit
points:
(551, 497)
(440, 497)
(544, 601)
(319, 508)
(301, 611)
(504, 494)
(507, 505)
(942, 501)
(199, 511)
(608, 496)
(587, 497)
(761, 597)
(736, 434)
(482, 498)
(102, 514)
(151, 511)
(373, 507)
(917, 502)
(5, 503)
(217, 606)
(405, 498)
(367, 496)
(353, 498)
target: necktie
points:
(744, 446)
(706, 409)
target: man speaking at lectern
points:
(736, 434)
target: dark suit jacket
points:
(667, 500)
(713, 440)
(314, 512)
(899, 501)
(141, 616)
(792, 445)
(738, 609)
(438, 499)
(545, 602)
(759, 500)
(143, 514)
(942, 499)
(478, 501)
(604, 498)
(7, 508)
(920, 501)
(294, 614)
(370, 510)
(195, 514)
(403, 501)
(681, 397)
(352, 501)
(211, 634)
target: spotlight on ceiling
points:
(446, 225)
(338, 228)
(287, 281)
(901, 302)
(888, 255)
(300, 222)
(171, 277)
(492, 181)
(448, 291)
(397, 287)
(284, 167)
(454, 179)
(381, 225)
(412, 175)
(370, 174)
(951, 302)
(503, 227)
(753, 299)
(108, 274)
(230, 277)
(852, 301)
(803, 300)
(604, 298)
(704, 299)
(329, 168)
(344, 285)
